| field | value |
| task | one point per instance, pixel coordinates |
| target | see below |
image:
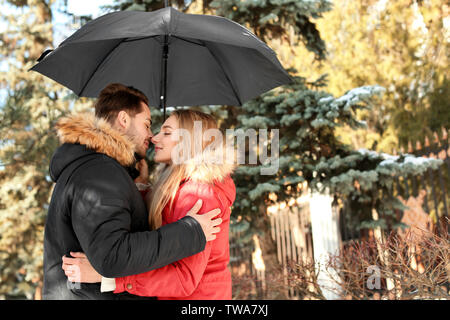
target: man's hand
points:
(209, 226)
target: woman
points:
(189, 170)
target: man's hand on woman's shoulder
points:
(210, 226)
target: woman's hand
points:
(79, 269)
(142, 167)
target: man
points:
(96, 207)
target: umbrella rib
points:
(98, 66)
(138, 38)
(190, 41)
(226, 76)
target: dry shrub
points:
(294, 280)
(397, 266)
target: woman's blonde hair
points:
(170, 176)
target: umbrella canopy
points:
(195, 59)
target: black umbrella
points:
(173, 57)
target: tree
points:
(311, 151)
(28, 113)
(279, 19)
(400, 45)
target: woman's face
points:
(164, 141)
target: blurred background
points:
(364, 154)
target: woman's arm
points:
(176, 280)
(180, 278)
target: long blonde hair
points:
(170, 176)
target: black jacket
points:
(97, 209)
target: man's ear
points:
(123, 120)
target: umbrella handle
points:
(165, 54)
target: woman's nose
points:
(154, 139)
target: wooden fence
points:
(292, 233)
(290, 230)
(435, 183)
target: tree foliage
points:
(400, 45)
(31, 106)
(311, 151)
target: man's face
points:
(140, 130)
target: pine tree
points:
(279, 19)
(311, 151)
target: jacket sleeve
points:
(101, 218)
(180, 278)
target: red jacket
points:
(204, 275)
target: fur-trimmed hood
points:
(212, 165)
(96, 134)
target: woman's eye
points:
(167, 133)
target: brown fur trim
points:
(96, 134)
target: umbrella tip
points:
(44, 54)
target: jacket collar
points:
(212, 165)
(98, 135)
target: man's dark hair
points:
(116, 97)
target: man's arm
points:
(101, 218)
